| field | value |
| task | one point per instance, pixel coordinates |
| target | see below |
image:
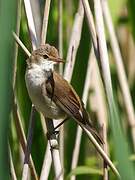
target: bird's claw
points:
(51, 133)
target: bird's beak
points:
(57, 60)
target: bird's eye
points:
(45, 56)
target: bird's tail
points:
(94, 133)
(86, 121)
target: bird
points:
(51, 94)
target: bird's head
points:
(45, 54)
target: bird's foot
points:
(50, 134)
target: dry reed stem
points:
(74, 42)
(60, 33)
(31, 25)
(94, 40)
(12, 169)
(45, 21)
(29, 144)
(19, 42)
(36, 10)
(105, 148)
(102, 48)
(101, 151)
(91, 26)
(28, 54)
(15, 113)
(22, 138)
(47, 157)
(25, 173)
(49, 123)
(34, 42)
(60, 44)
(120, 69)
(103, 58)
(54, 147)
(46, 164)
(92, 30)
(61, 145)
(91, 68)
(76, 150)
(101, 110)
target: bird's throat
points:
(47, 65)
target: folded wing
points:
(65, 97)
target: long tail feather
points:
(95, 134)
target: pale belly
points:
(42, 103)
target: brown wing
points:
(65, 96)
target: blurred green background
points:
(90, 163)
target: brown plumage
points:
(63, 94)
(50, 93)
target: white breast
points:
(34, 78)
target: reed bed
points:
(99, 63)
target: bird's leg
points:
(54, 130)
(61, 123)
